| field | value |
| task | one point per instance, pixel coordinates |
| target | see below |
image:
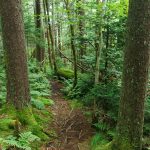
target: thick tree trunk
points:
(135, 75)
(40, 42)
(14, 45)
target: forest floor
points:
(71, 125)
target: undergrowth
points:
(24, 141)
(33, 120)
(103, 99)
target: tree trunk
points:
(106, 54)
(51, 38)
(135, 75)
(98, 41)
(81, 30)
(14, 45)
(40, 42)
(48, 36)
(72, 44)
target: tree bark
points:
(135, 75)
(72, 44)
(14, 45)
(48, 36)
(98, 41)
(51, 38)
(39, 43)
(82, 43)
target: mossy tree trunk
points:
(15, 51)
(135, 75)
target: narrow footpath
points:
(71, 126)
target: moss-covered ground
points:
(25, 120)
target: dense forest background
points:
(76, 48)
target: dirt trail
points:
(71, 126)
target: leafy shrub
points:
(106, 97)
(85, 83)
(39, 84)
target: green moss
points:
(7, 124)
(66, 73)
(27, 121)
(7, 121)
(26, 116)
(8, 110)
(43, 118)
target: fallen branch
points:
(85, 69)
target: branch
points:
(85, 69)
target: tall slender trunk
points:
(48, 36)
(51, 38)
(72, 44)
(40, 42)
(106, 53)
(59, 37)
(82, 43)
(15, 50)
(98, 41)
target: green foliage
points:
(85, 83)
(23, 142)
(40, 87)
(38, 104)
(2, 85)
(42, 102)
(106, 97)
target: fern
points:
(24, 142)
(101, 126)
(38, 104)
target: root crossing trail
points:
(72, 128)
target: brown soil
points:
(71, 126)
